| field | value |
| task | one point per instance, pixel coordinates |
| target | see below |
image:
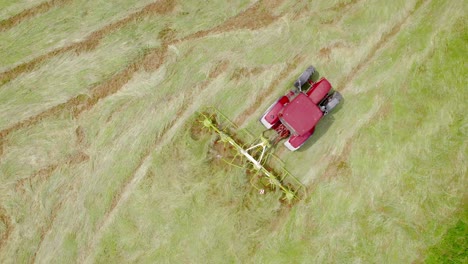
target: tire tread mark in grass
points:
(29, 13)
(91, 41)
(325, 52)
(385, 38)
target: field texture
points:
(101, 160)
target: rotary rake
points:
(268, 170)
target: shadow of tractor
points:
(322, 127)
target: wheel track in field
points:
(31, 12)
(343, 8)
(151, 60)
(140, 170)
(385, 38)
(92, 40)
(44, 173)
(83, 102)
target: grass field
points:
(100, 161)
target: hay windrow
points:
(31, 12)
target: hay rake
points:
(254, 156)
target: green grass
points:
(452, 246)
(386, 172)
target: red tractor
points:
(295, 115)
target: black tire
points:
(333, 101)
(305, 76)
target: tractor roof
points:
(301, 115)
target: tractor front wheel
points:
(305, 76)
(332, 101)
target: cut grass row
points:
(123, 126)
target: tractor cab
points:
(301, 115)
